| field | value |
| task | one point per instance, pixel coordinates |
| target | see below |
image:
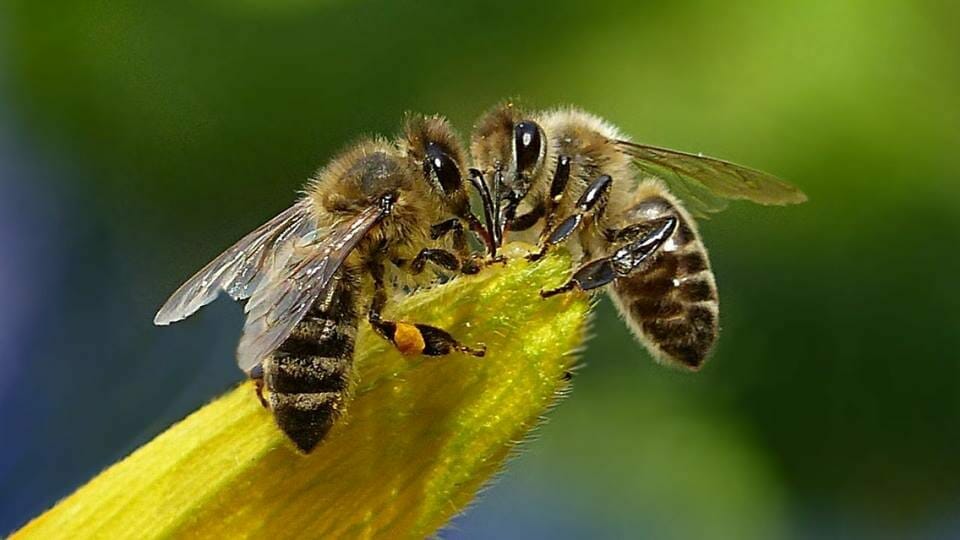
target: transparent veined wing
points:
(284, 298)
(241, 268)
(706, 183)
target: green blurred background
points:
(138, 139)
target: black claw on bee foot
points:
(536, 256)
(470, 267)
(439, 342)
(559, 290)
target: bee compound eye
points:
(442, 165)
(528, 143)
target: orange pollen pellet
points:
(408, 339)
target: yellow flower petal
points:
(420, 437)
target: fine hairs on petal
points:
(419, 438)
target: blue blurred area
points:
(138, 139)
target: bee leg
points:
(591, 275)
(547, 209)
(483, 234)
(525, 221)
(415, 338)
(439, 342)
(633, 232)
(558, 186)
(558, 235)
(468, 264)
(592, 202)
(256, 375)
(411, 338)
(440, 257)
(453, 227)
(625, 260)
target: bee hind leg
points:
(645, 241)
(416, 338)
(412, 338)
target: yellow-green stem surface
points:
(420, 437)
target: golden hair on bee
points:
(432, 141)
(671, 302)
(584, 140)
(419, 131)
(378, 210)
(491, 144)
(567, 174)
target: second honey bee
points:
(574, 174)
(379, 208)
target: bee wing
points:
(706, 182)
(287, 294)
(242, 267)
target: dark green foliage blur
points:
(831, 405)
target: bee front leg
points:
(468, 264)
(411, 338)
(453, 227)
(592, 202)
(446, 260)
(525, 221)
(558, 187)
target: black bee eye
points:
(527, 143)
(440, 164)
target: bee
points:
(379, 209)
(573, 173)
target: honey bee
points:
(377, 209)
(576, 173)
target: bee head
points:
(433, 145)
(510, 150)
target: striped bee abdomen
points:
(308, 376)
(670, 302)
